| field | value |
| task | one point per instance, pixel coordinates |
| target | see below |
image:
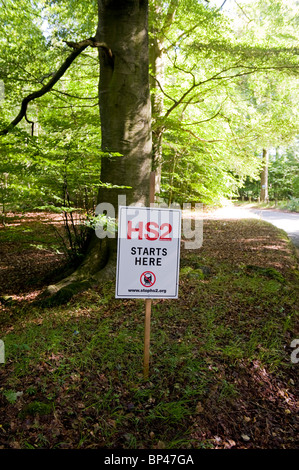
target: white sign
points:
(148, 256)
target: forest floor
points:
(223, 373)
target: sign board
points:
(148, 255)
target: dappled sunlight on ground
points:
(30, 252)
(17, 218)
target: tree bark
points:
(124, 98)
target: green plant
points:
(37, 407)
(12, 396)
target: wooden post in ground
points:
(147, 331)
(148, 302)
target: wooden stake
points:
(147, 331)
(148, 302)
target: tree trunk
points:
(125, 111)
(125, 100)
(157, 81)
(156, 57)
(264, 177)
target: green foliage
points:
(292, 205)
(229, 88)
(107, 223)
(69, 19)
(283, 175)
(11, 396)
(283, 180)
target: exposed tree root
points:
(97, 267)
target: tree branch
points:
(245, 70)
(204, 120)
(169, 16)
(161, 88)
(243, 11)
(78, 106)
(195, 85)
(201, 140)
(185, 33)
(30, 122)
(220, 8)
(74, 96)
(90, 42)
(78, 48)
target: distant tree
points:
(264, 195)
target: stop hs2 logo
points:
(147, 279)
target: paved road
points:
(288, 221)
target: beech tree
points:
(125, 111)
(125, 115)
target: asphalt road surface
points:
(288, 221)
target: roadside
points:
(285, 220)
(291, 205)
